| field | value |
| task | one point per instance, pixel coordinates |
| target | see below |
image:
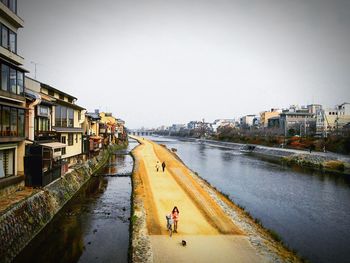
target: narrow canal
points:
(310, 211)
(94, 225)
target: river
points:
(309, 210)
(94, 225)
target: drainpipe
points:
(31, 113)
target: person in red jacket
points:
(175, 215)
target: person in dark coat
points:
(163, 166)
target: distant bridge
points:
(141, 132)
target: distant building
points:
(177, 127)
(247, 121)
(332, 119)
(299, 122)
(266, 115)
(222, 123)
(92, 139)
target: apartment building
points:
(12, 101)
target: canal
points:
(94, 225)
(310, 211)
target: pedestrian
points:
(157, 166)
(175, 216)
(163, 166)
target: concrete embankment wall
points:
(320, 161)
(20, 223)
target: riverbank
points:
(21, 221)
(325, 162)
(213, 226)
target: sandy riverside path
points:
(210, 235)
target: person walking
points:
(157, 166)
(163, 166)
(175, 216)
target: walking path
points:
(210, 234)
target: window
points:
(5, 121)
(43, 111)
(42, 124)
(11, 4)
(64, 116)
(13, 122)
(13, 41)
(5, 74)
(20, 82)
(70, 117)
(7, 162)
(51, 92)
(63, 140)
(70, 139)
(58, 116)
(13, 81)
(4, 36)
(21, 123)
(61, 97)
(70, 100)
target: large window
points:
(7, 162)
(70, 117)
(20, 82)
(5, 112)
(12, 121)
(4, 36)
(12, 80)
(64, 117)
(12, 41)
(5, 73)
(42, 124)
(21, 117)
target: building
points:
(332, 119)
(222, 123)
(13, 129)
(108, 125)
(266, 115)
(121, 133)
(43, 158)
(247, 121)
(92, 141)
(298, 123)
(67, 122)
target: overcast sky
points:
(163, 62)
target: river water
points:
(310, 211)
(94, 225)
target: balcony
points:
(10, 16)
(11, 57)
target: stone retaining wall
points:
(20, 223)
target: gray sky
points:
(162, 62)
